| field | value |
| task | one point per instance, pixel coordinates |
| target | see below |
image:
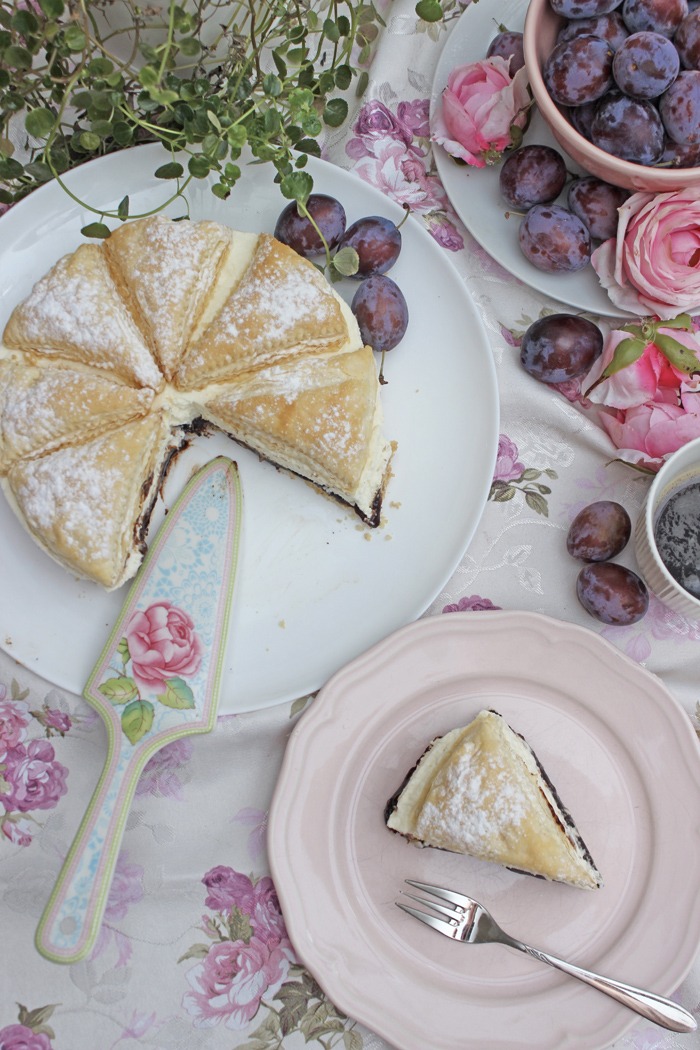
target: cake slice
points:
(280, 307)
(320, 418)
(481, 790)
(166, 270)
(43, 408)
(88, 506)
(75, 312)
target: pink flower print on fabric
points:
(162, 644)
(375, 123)
(472, 603)
(19, 1037)
(415, 115)
(14, 719)
(256, 820)
(16, 829)
(126, 889)
(162, 775)
(228, 889)
(231, 981)
(401, 176)
(34, 779)
(508, 467)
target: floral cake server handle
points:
(157, 680)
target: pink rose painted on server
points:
(480, 106)
(162, 644)
(652, 266)
(19, 1037)
(230, 982)
(35, 779)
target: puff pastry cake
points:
(123, 348)
(481, 790)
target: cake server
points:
(157, 680)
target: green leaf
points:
(537, 503)
(120, 690)
(177, 695)
(346, 261)
(335, 112)
(24, 22)
(123, 650)
(137, 720)
(39, 171)
(122, 133)
(123, 208)
(96, 230)
(429, 10)
(272, 85)
(626, 353)
(148, 76)
(331, 30)
(172, 170)
(343, 77)
(101, 67)
(190, 46)
(17, 57)
(197, 951)
(52, 8)
(221, 190)
(680, 356)
(297, 186)
(89, 141)
(74, 38)
(39, 123)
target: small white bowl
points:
(679, 469)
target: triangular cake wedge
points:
(280, 307)
(320, 418)
(44, 408)
(76, 312)
(89, 505)
(166, 270)
(481, 790)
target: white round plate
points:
(314, 586)
(474, 192)
(625, 761)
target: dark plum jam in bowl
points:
(667, 535)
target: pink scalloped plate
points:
(626, 762)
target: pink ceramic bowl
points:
(541, 27)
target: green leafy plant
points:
(205, 78)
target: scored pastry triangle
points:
(319, 420)
(88, 505)
(281, 306)
(165, 270)
(480, 790)
(75, 311)
(43, 408)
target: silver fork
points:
(468, 921)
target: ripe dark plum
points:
(612, 593)
(583, 8)
(377, 242)
(629, 128)
(582, 118)
(609, 27)
(508, 44)
(297, 231)
(579, 70)
(645, 65)
(532, 175)
(599, 531)
(381, 312)
(687, 40)
(677, 156)
(596, 203)
(560, 347)
(554, 239)
(680, 108)
(661, 16)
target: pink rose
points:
(508, 467)
(231, 980)
(374, 124)
(36, 780)
(647, 434)
(17, 829)
(651, 266)
(400, 175)
(266, 916)
(481, 105)
(19, 1037)
(651, 377)
(162, 643)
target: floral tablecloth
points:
(193, 951)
